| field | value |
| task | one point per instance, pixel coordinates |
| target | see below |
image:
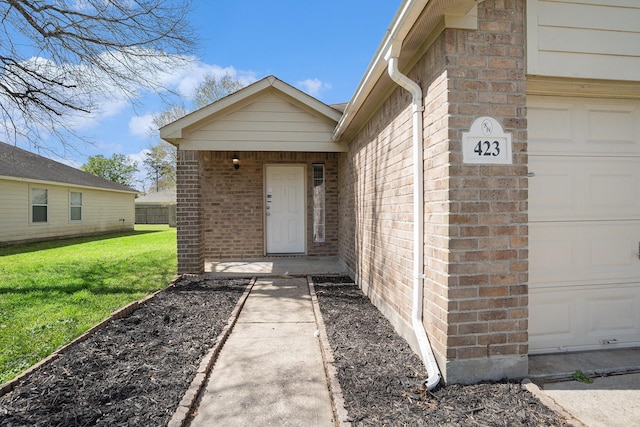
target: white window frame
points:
(76, 206)
(33, 205)
(318, 188)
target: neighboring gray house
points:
(42, 199)
(157, 208)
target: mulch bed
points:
(135, 370)
(382, 378)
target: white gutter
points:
(418, 213)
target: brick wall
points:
(376, 210)
(233, 202)
(475, 215)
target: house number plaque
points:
(486, 142)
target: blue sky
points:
(321, 47)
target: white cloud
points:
(140, 177)
(92, 88)
(105, 107)
(141, 125)
(139, 156)
(313, 87)
(94, 92)
(186, 79)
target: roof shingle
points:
(19, 163)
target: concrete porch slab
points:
(274, 266)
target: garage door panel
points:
(612, 125)
(612, 314)
(596, 318)
(611, 188)
(558, 132)
(583, 253)
(549, 247)
(552, 316)
(584, 188)
(612, 254)
(583, 127)
(552, 190)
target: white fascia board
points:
(400, 26)
(307, 100)
(466, 21)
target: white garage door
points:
(584, 224)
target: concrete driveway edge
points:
(550, 403)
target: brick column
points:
(488, 234)
(189, 213)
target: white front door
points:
(584, 224)
(284, 209)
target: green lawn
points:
(51, 292)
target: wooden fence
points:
(156, 215)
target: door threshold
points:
(286, 255)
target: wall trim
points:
(560, 86)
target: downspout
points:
(418, 214)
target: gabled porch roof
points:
(268, 115)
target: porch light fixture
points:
(236, 161)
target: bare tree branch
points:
(58, 58)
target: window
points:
(75, 206)
(318, 203)
(38, 205)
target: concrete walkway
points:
(270, 371)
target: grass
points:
(51, 292)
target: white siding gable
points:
(594, 39)
(268, 115)
(268, 123)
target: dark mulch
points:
(134, 371)
(382, 378)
